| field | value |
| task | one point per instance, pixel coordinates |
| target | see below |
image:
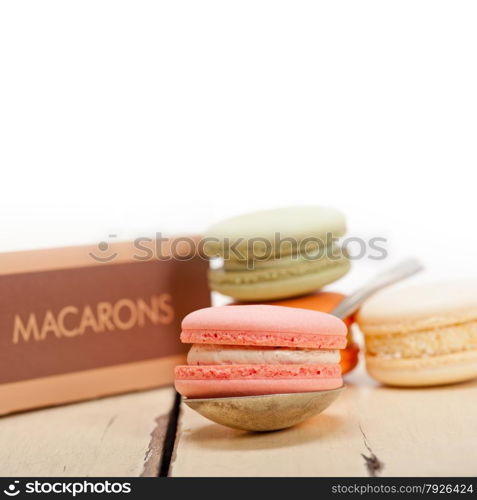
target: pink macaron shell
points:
(282, 339)
(253, 380)
(265, 325)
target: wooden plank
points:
(369, 430)
(116, 436)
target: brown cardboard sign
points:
(61, 323)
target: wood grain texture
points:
(116, 436)
(369, 430)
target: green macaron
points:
(274, 254)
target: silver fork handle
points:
(404, 269)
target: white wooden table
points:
(116, 436)
(369, 430)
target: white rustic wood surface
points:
(116, 436)
(423, 432)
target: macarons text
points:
(71, 321)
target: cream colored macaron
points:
(422, 335)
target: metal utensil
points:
(404, 269)
(264, 413)
(278, 411)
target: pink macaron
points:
(260, 349)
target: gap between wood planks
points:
(170, 438)
(373, 465)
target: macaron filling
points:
(329, 253)
(291, 270)
(440, 341)
(207, 354)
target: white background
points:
(129, 117)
